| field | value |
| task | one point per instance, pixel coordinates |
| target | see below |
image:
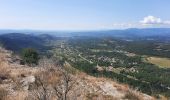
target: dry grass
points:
(4, 71)
(3, 94)
(94, 96)
(131, 95)
(49, 77)
(20, 95)
(161, 62)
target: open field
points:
(162, 62)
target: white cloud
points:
(152, 20)
(147, 22)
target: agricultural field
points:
(161, 62)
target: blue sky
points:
(83, 14)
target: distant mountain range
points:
(133, 32)
(119, 33)
(18, 39)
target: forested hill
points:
(17, 41)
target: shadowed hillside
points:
(17, 41)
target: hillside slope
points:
(19, 82)
(17, 41)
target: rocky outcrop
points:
(26, 81)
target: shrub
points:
(3, 94)
(30, 56)
(132, 96)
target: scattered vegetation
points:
(50, 80)
(115, 60)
